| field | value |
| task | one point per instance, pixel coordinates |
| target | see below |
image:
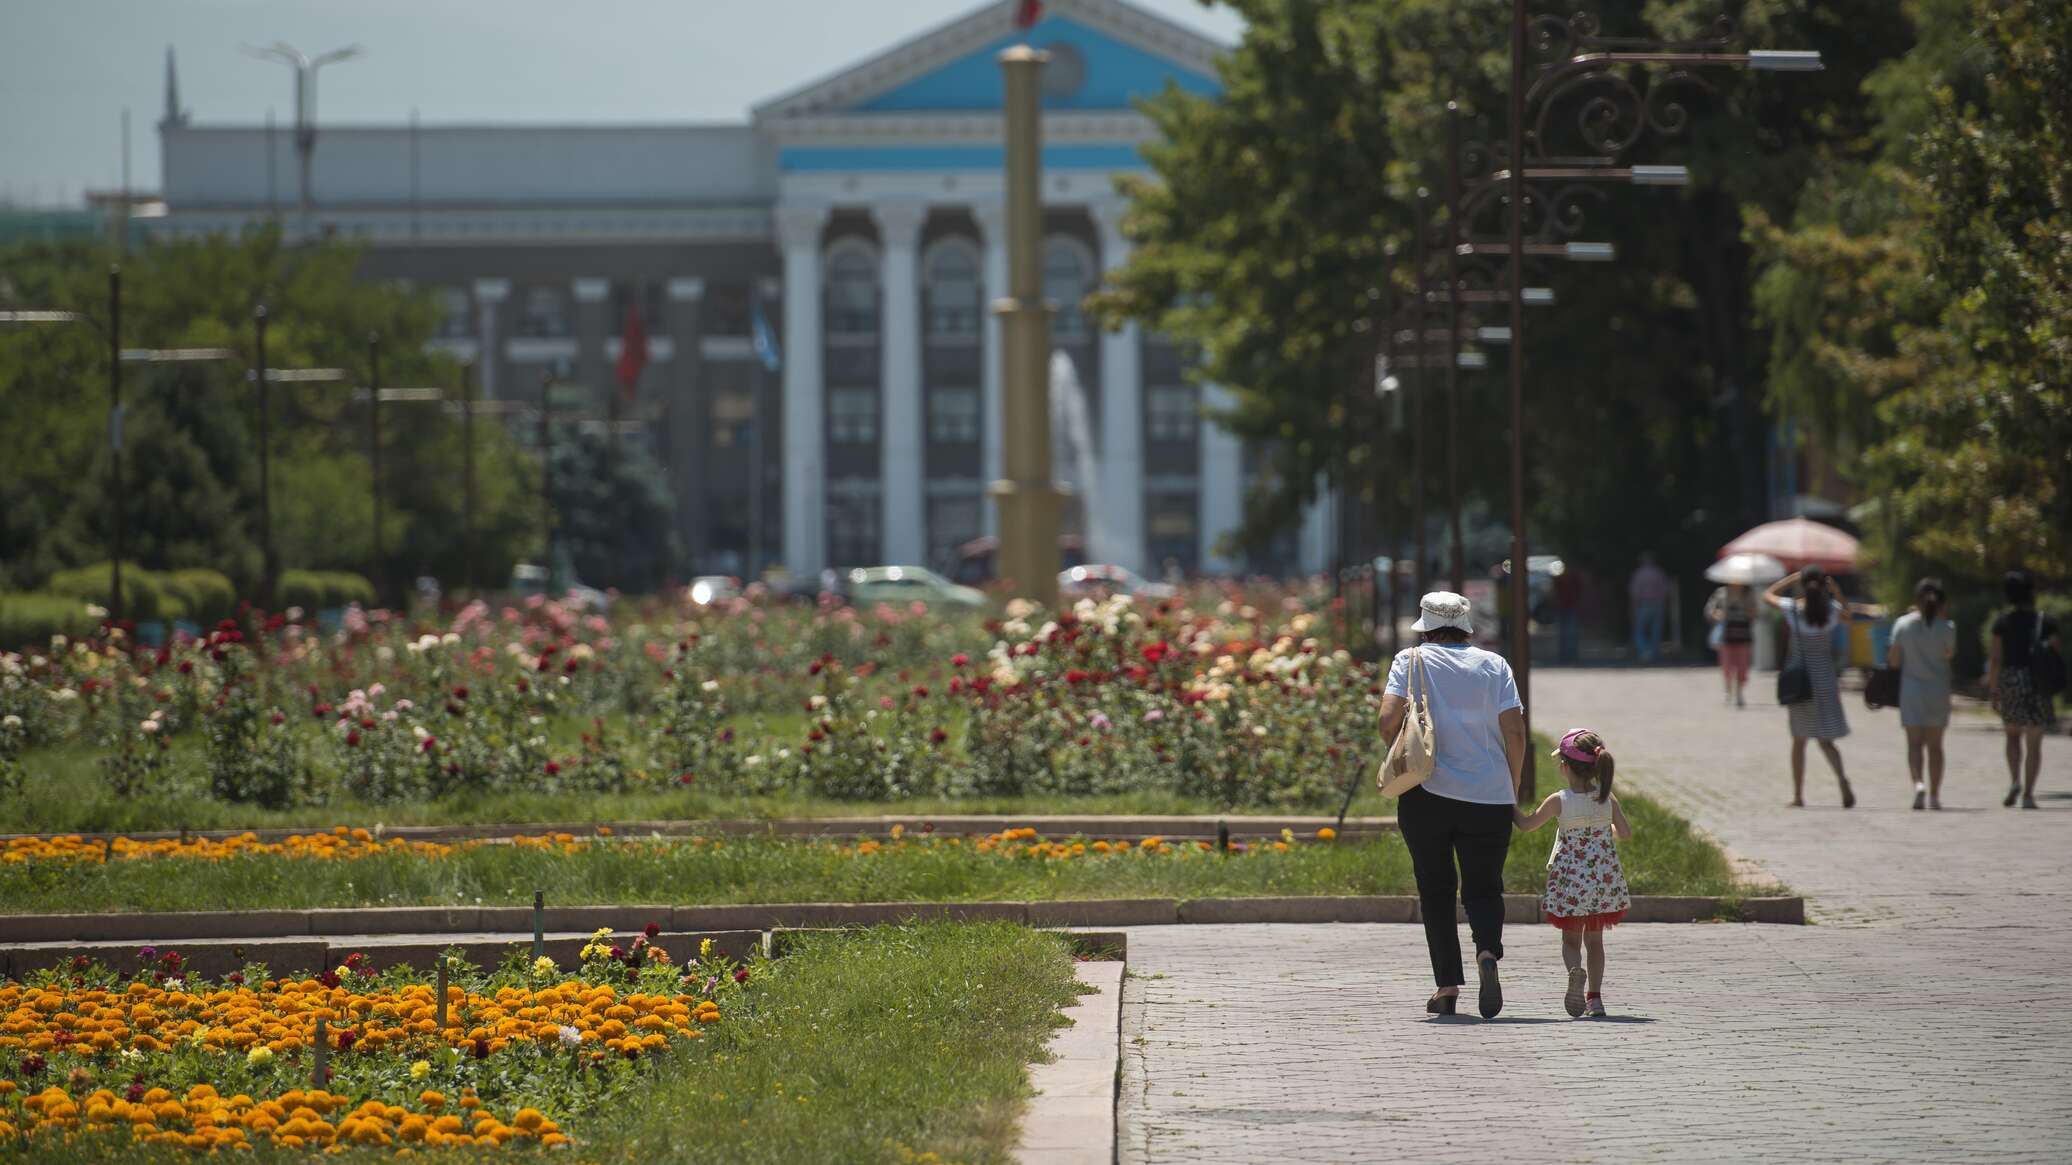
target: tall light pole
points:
(305, 68)
(1028, 497)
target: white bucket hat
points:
(1443, 609)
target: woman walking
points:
(1922, 644)
(1812, 615)
(2021, 636)
(1733, 608)
(1463, 810)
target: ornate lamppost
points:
(1549, 172)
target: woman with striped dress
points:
(1812, 615)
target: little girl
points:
(1586, 887)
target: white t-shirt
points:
(1469, 687)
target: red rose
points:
(741, 975)
(938, 736)
(430, 743)
(553, 768)
(959, 660)
(352, 738)
(651, 929)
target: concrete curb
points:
(220, 926)
(1131, 826)
(1071, 1119)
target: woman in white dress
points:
(1922, 643)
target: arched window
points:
(852, 290)
(1068, 274)
(953, 292)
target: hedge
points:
(323, 590)
(29, 620)
(146, 598)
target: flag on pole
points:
(633, 351)
(1027, 13)
(764, 340)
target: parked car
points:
(1099, 580)
(707, 589)
(531, 579)
(900, 585)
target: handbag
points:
(1882, 689)
(1412, 757)
(2046, 666)
(1794, 686)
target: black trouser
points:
(1435, 830)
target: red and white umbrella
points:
(1798, 543)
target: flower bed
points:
(897, 1044)
(1221, 705)
(340, 844)
(164, 1057)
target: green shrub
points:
(302, 588)
(29, 620)
(346, 588)
(144, 594)
(208, 594)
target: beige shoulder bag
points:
(1412, 757)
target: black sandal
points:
(1441, 1004)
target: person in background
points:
(1813, 614)
(1922, 643)
(1648, 592)
(1733, 607)
(1568, 598)
(2026, 709)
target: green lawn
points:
(1665, 857)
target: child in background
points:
(1586, 886)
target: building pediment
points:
(1106, 54)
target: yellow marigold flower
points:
(543, 966)
(259, 1056)
(420, 1069)
(1326, 833)
(431, 1099)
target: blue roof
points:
(1116, 74)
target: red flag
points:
(633, 352)
(1028, 12)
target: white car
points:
(708, 589)
(1096, 580)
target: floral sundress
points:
(1586, 885)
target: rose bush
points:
(1221, 700)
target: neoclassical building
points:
(860, 217)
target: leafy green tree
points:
(191, 464)
(1265, 234)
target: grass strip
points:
(877, 1046)
(1665, 856)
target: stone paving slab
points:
(1923, 1017)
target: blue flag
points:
(764, 340)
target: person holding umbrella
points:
(1732, 611)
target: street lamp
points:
(261, 377)
(305, 68)
(1615, 114)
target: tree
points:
(1264, 240)
(1917, 300)
(191, 465)
(612, 512)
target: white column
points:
(1314, 545)
(1222, 478)
(1122, 501)
(489, 294)
(805, 475)
(992, 226)
(902, 455)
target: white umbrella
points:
(1755, 570)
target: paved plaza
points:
(1926, 1014)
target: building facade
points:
(859, 221)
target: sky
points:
(68, 68)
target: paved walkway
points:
(1927, 1015)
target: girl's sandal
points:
(1441, 1004)
(1573, 1001)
